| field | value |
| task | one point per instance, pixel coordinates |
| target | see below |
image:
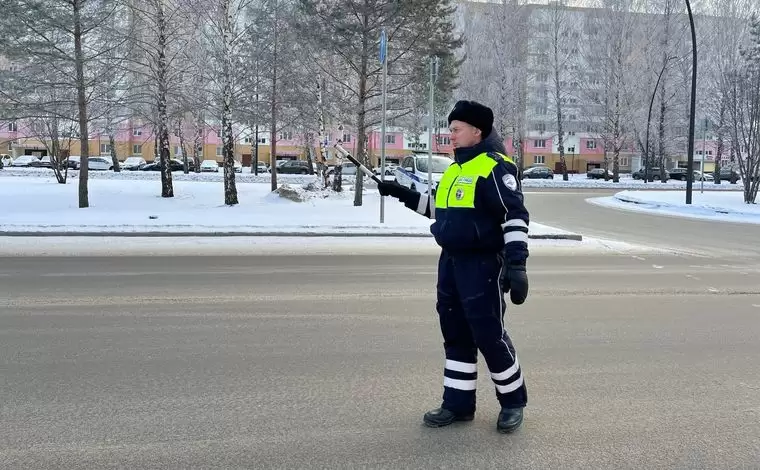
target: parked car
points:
(133, 163)
(209, 166)
(730, 175)
(293, 167)
(74, 162)
(390, 170)
(654, 173)
(42, 162)
(174, 165)
(413, 171)
(238, 166)
(599, 174)
(25, 160)
(100, 163)
(538, 172)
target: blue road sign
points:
(383, 46)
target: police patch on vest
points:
(459, 194)
(510, 181)
(464, 180)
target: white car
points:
(133, 163)
(25, 160)
(413, 171)
(99, 163)
(209, 165)
(238, 167)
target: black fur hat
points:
(473, 113)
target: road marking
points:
(692, 277)
(712, 289)
(655, 266)
(638, 258)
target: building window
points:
(591, 144)
(219, 151)
(137, 149)
(246, 140)
(136, 132)
(623, 161)
(346, 138)
(105, 149)
(390, 139)
(540, 143)
(286, 135)
(13, 126)
(263, 140)
(444, 140)
(539, 159)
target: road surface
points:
(631, 361)
(568, 209)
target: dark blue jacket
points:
(499, 221)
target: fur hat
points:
(473, 113)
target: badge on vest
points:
(459, 194)
(464, 180)
(510, 182)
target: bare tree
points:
(54, 41)
(350, 32)
(560, 55)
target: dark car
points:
(174, 165)
(598, 174)
(678, 174)
(538, 172)
(654, 173)
(294, 167)
(730, 175)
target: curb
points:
(548, 236)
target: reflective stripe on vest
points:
(457, 186)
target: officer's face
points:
(463, 134)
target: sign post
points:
(384, 61)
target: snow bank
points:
(718, 206)
(575, 181)
(33, 205)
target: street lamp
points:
(690, 151)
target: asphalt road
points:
(631, 361)
(568, 209)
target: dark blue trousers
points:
(471, 310)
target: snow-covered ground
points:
(575, 181)
(718, 206)
(33, 205)
(246, 246)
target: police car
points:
(413, 171)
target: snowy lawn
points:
(718, 206)
(122, 206)
(575, 181)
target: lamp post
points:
(690, 151)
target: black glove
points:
(393, 189)
(515, 281)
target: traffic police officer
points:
(481, 225)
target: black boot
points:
(442, 417)
(509, 419)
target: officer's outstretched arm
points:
(420, 203)
(415, 201)
(505, 199)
